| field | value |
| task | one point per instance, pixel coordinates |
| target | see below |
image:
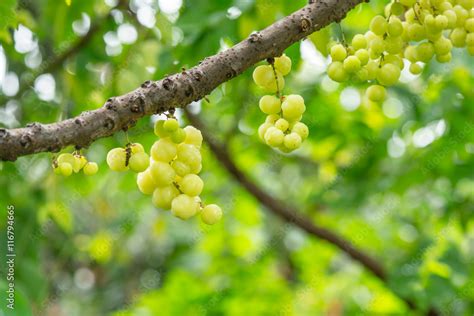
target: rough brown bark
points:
(177, 90)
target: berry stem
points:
(128, 152)
(176, 185)
(126, 137)
(272, 62)
(343, 36)
(416, 13)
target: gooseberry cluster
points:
(171, 175)
(132, 157)
(415, 30)
(66, 163)
(282, 128)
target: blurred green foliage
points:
(96, 246)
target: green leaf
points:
(20, 304)
(7, 13)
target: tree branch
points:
(284, 211)
(54, 62)
(177, 90)
(292, 215)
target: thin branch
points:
(290, 214)
(177, 90)
(280, 208)
(55, 62)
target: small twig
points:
(54, 62)
(271, 61)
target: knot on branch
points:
(137, 104)
(146, 84)
(168, 84)
(255, 37)
(135, 108)
(186, 82)
(197, 75)
(110, 105)
(35, 126)
(109, 123)
(79, 121)
(305, 24)
(25, 140)
(231, 73)
(3, 132)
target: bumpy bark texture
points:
(177, 90)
